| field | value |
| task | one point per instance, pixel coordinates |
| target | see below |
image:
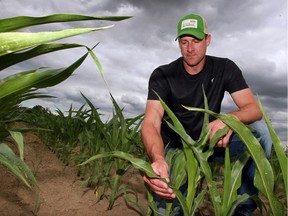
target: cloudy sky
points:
(253, 33)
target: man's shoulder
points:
(217, 59)
(220, 63)
(171, 66)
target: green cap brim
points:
(196, 34)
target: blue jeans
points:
(236, 149)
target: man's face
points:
(193, 50)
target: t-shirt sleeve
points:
(158, 84)
(235, 80)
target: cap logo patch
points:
(189, 23)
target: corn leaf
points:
(16, 165)
(198, 201)
(240, 199)
(178, 171)
(182, 202)
(15, 41)
(227, 182)
(22, 82)
(97, 62)
(136, 162)
(15, 58)
(232, 181)
(283, 160)
(17, 136)
(14, 23)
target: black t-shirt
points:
(176, 87)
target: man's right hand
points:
(159, 187)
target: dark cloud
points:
(253, 33)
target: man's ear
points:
(208, 40)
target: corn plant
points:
(16, 47)
(138, 163)
(80, 134)
(16, 163)
(121, 136)
(118, 134)
(199, 151)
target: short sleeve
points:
(158, 84)
(234, 79)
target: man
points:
(180, 83)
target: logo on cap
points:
(189, 23)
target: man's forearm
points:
(248, 114)
(153, 143)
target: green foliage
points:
(80, 134)
(222, 205)
(17, 47)
(265, 183)
(196, 153)
(14, 163)
(278, 147)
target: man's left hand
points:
(216, 125)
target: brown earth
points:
(60, 188)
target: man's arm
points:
(151, 136)
(248, 112)
(150, 130)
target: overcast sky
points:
(253, 33)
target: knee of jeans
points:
(236, 146)
(262, 132)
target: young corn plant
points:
(264, 180)
(119, 134)
(82, 134)
(15, 163)
(225, 203)
(126, 131)
(91, 142)
(222, 206)
(69, 128)
(138, 163)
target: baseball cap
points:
(194, 25)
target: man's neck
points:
(195, 69)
